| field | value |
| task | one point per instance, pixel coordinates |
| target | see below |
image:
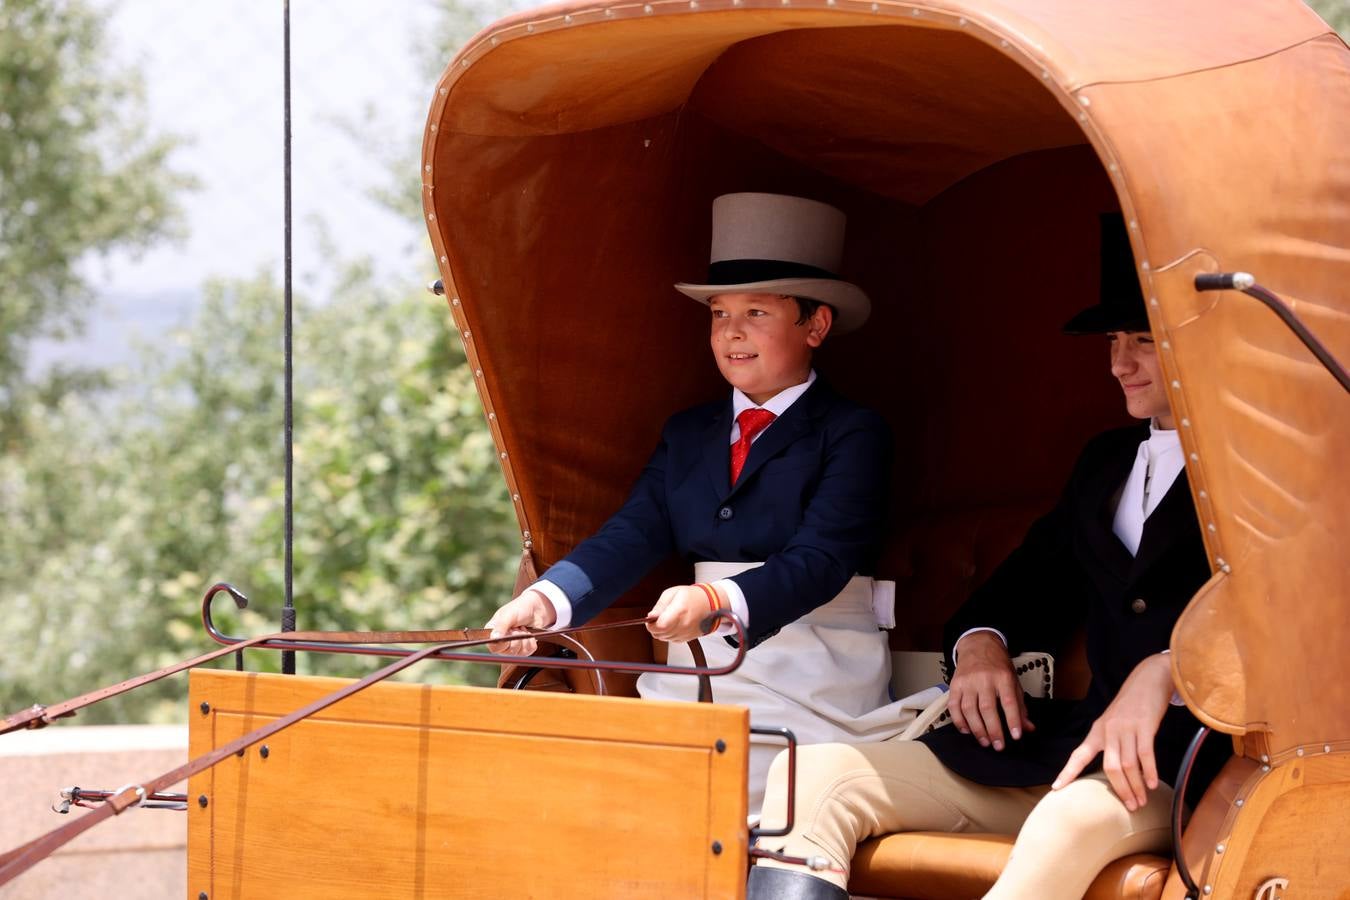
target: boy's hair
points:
(807, 307)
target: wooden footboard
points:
(412, 790)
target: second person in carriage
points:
(775, 492)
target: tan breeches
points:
(846, 794)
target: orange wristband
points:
(714, 602)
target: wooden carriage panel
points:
(1283, 835)
(415, 791)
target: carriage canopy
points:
(572, 153)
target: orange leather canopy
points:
(572, 153)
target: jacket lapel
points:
(1102, 502)
(786, 429)
(716, 442)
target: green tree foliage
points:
(79, 172)
(1336, 13)
(115, 520)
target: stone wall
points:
(139, 855)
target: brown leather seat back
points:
(938, 559)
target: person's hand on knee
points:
(984, 683)
(1124, 734)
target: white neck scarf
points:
(1156, 466)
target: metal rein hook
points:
(85, 798)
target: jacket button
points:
(1139, 605)
(725, 513)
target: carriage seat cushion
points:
(934, 866)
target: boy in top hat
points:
(775, 492)
(1120, 553)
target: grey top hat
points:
(1120, 305)
(775, 244)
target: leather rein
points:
(448, 644)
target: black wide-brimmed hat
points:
(1121, 305)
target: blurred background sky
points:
(213, 75)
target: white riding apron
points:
(825, 676)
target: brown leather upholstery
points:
(933, 866)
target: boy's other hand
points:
(679, 613)
(530, 610)
(983, 682)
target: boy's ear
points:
(818, 325)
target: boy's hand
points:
(1124, 734)
(984, 680)
(530, 610)
(678, 614)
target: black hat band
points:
(750, 271)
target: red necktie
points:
(752, 422)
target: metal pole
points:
(288, 612)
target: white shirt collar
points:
(777, 404)
(1163, 439)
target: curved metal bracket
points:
(787, 735)
(1178, 807)
(529, 675)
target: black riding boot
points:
(768, 883)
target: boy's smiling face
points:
(760, 345)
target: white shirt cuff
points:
(1176, 695)
(561, 605)
(736, 597)
(971, 631)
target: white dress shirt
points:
(777, 404)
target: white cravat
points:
(1156, 466)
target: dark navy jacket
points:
(809, 504)
(1071, 572)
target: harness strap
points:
(38, 716)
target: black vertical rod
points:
(288, 612)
